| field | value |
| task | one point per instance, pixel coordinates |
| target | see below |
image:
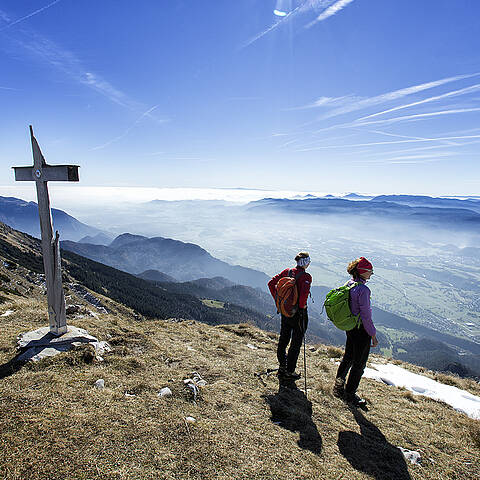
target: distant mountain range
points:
(23, 216)
(182, 261)
(436, 212)
(432, 202)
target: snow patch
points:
(396, 376)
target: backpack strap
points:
(300, 274)
(354, 284)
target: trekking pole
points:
(304, 357)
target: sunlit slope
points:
(55, 424)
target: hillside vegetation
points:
(54, 424)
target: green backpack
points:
(337, 306)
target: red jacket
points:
(303, 284)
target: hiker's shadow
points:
(10, 367)
(371, 452)
(291, 409)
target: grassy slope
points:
(54, 424)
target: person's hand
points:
(374, 341)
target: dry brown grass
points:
(334, 352)
(409, 396)
(55, 425)
(474, 430)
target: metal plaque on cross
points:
(41, 173)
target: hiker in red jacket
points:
(293, 328)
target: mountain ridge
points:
(23, 216)
(183, 261)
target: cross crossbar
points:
(47, 173)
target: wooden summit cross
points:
(42, 173)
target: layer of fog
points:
(420, 273)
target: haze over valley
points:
(424, 250)
(426, 257)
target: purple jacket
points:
(360, 304)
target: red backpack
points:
(286, 296)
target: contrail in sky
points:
(404, 136)
(273, 27)
(128, 130)
(417, 116)
(455, 93)
(388, 143)
(305, 7)
(30, 15)
(332, 10)
(360, 103)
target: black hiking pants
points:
(355, 358)
(291, 331)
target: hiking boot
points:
(339, 388)
(354, 400)
(291, 376)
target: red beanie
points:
(364, 265)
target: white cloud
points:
(328, 102)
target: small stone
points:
(411, 455)
(165, 392)
(101, 348)
(252, 347)
(190, 420)
(100, 384)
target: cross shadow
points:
(48, 344)
(371, 453)
(292, 410)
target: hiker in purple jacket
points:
(359, 340)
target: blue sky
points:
(335, 96)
